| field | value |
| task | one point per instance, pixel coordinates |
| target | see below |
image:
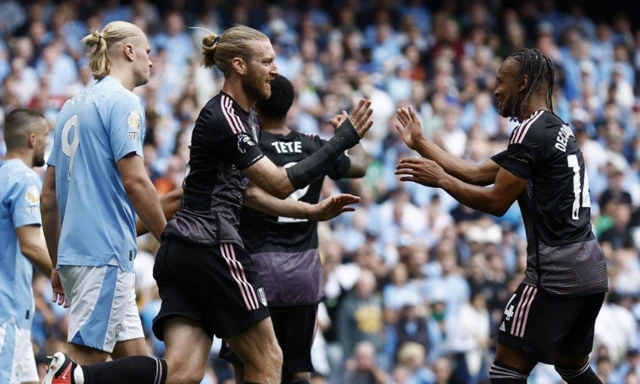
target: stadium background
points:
(415, 283)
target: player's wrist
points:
(421, 145)
(311, 212)
(446, 182)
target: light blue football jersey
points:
(94, 130)
(20, 189)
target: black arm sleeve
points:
(321, 162)
(340, 167)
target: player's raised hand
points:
(338, 119)
(409, 127)
(360, 117)
(420, 170)
(58, 292)
(332, 207)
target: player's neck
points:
(233, 88)
(124, 78)
(277, 126)
(22, 155)
(536, 103)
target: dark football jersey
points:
(285, 250)
(564, 258)
(224, 142)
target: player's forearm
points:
(453, 165)
(482, 199)
(170, 204)
(50, 224)
(37, 254)
(358, 159)
(145, 201)
(260, 200)
(270, 179)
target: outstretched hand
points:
(332, 207)
(409, 127)
(420, 170)
(360, 117)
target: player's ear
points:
(31, 140)
(239, 65)
(128, 51)
(524, 81)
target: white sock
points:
(78, 375)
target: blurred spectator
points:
(360, 317)
(363, 368)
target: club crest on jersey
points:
(244, 143)
(262, 296)
(32, 196)
(134, 120)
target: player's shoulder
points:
(533, 131)
(110, 92)
(222, 113)
(17, 167)
(14, 174)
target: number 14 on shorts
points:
(516, 313)
(508, 311)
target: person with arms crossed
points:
(284, 250)
(25, 133)
(207, 281)
(551, 316)
(95, 184)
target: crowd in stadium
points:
(415, 283)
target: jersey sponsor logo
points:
(134, 120)
(32, 196)
(262, 296)
(244, 143)
(563, 138)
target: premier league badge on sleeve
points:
(244, 143)
(134, 120)
(32, 195)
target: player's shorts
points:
(17, 362)
(216, 286)
(539, 324)
(102, 306)
(295, 328)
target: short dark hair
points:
(539, 69)
(282, 95)
(18, 125)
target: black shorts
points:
(216, 286)
(295, 329)
(539, 324)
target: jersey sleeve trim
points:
(226, 105)
(500, 157)
(517, 172)
(521, 131)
